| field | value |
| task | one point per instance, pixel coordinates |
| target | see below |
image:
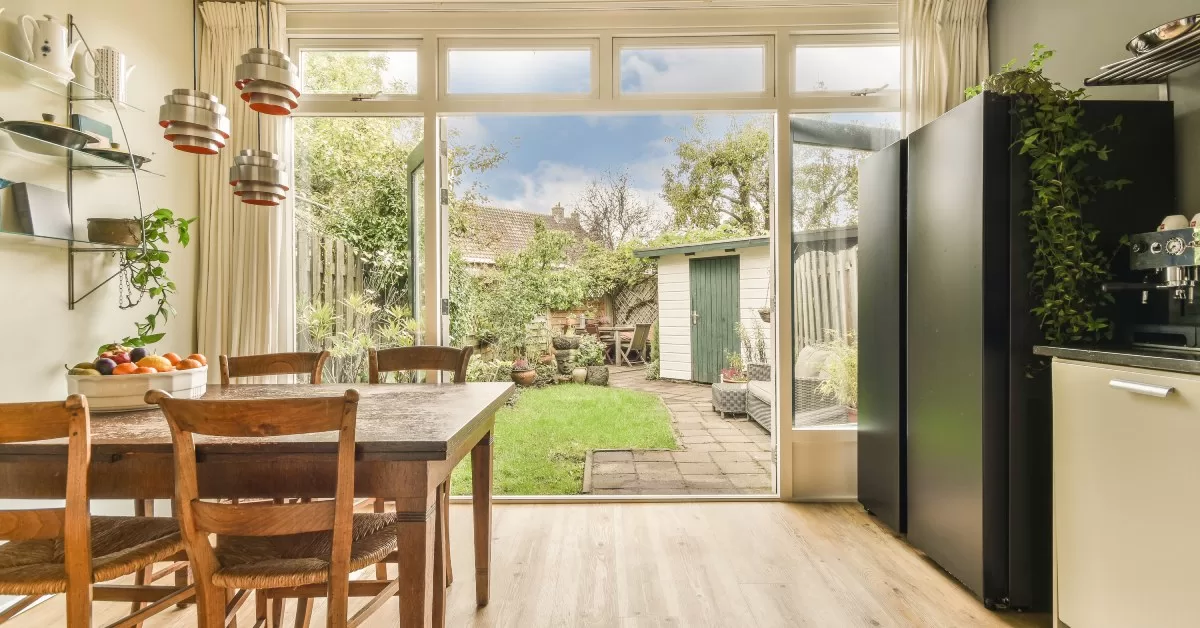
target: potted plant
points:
(755, 351)
(566, 341)
(764, 313)
(591, 357)
(735, 373)
(522, 373)
(842, 367)
(143, 272)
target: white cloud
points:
(693, 70)
(563, 71)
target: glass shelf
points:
(80, 160)
(48, 81)
(78, 246)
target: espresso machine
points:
(1170, 263)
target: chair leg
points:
(210, 606)
(380, 567)
(142, 508)
(446, 532)
(303, 612)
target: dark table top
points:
(409, 421)
(1173, 360)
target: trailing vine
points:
(143, 272)
(1069, 266)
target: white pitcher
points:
(111, 73)
(46, 45)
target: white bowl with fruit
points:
(118, 379)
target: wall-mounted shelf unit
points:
(71, 160)
(1153, 67)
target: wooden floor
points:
(711, 564)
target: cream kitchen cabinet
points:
(1126, 496)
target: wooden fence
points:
(327, 271)
(826, 294)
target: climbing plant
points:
(1069, 266)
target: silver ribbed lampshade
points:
(269, 81)
(258, 177)
(194, 121)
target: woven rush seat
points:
(120, 546)
(265, 562)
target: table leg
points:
(415, 537)
(481, 503)
(439, 563)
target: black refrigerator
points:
(978, 433)
(882, 332)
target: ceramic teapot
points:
(46, 45)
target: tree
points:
(825, 188)
(721, 180)
(611, 211)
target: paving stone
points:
(700, 432)
(696, 440)
(731, 437)
(692, 456)
(612, 456)
(760, 480)
(710, 447)
(742, 447)
(698, 468)
(761, 456)
(739, 467)
(616, 480)
(682, 426)
(652, 456)
(731, 456)
(656, 467)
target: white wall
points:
(675, 304)
(39, 332)
(1087, 34)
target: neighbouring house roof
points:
(495, 231)
(715, 245)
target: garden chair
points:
(287, 550)
(429, 358)
(65, 550)
(637, 344)
(310, 364)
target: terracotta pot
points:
(547, 359)
(579, 374)
(524, 378)
(852, 414)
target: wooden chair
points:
(283, 550)
(637, 344)
(65, 550)
(273, 364)
(422, 359)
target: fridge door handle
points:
(1139, 388)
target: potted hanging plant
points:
(522, 373)
(842, 367)
(143, 272)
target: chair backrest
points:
(260, 418)
(273, 364)
(420, 359)
(641, 332)
(22, 422)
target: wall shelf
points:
(48, 81)
(80, 158)
(78, 246)
(1153, 67)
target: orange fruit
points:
(173, 358)
(166, 369)
(124, 369)
(188, 364)
(143, 370)
(155, 362)
(199, 358)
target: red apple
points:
(120, 358)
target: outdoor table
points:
(410, 437)
(615, 331)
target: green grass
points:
(540, 443)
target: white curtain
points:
(246, 303)
(944, 44)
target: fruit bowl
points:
(123, 393)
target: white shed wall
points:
(675, 304)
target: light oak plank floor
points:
(732, 565)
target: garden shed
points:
(704, 290)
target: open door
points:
(416, 238)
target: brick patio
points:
(717, 456)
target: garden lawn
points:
(541, 442)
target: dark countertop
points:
(1175, 361)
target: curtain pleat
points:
(246, 302)
(944, 46)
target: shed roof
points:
(715, 245)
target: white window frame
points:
(297, 46)
(887, 100)
(592, 45)
(699, 42)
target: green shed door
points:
(715, 304)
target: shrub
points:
(591, 352)
(489, 371)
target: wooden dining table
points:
(614, 332)
(410, 437)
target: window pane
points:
(471, 71)
(844, 69)
(691, 70)
(359, 71)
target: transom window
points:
(501, 68)
(709, 65)
(847, 69)
(356, 67)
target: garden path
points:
(717, 456)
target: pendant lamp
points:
(194, 121)
(258, 176)
(269, 80)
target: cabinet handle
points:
(1141, 389)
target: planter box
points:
(117, 393)
(729, 398)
